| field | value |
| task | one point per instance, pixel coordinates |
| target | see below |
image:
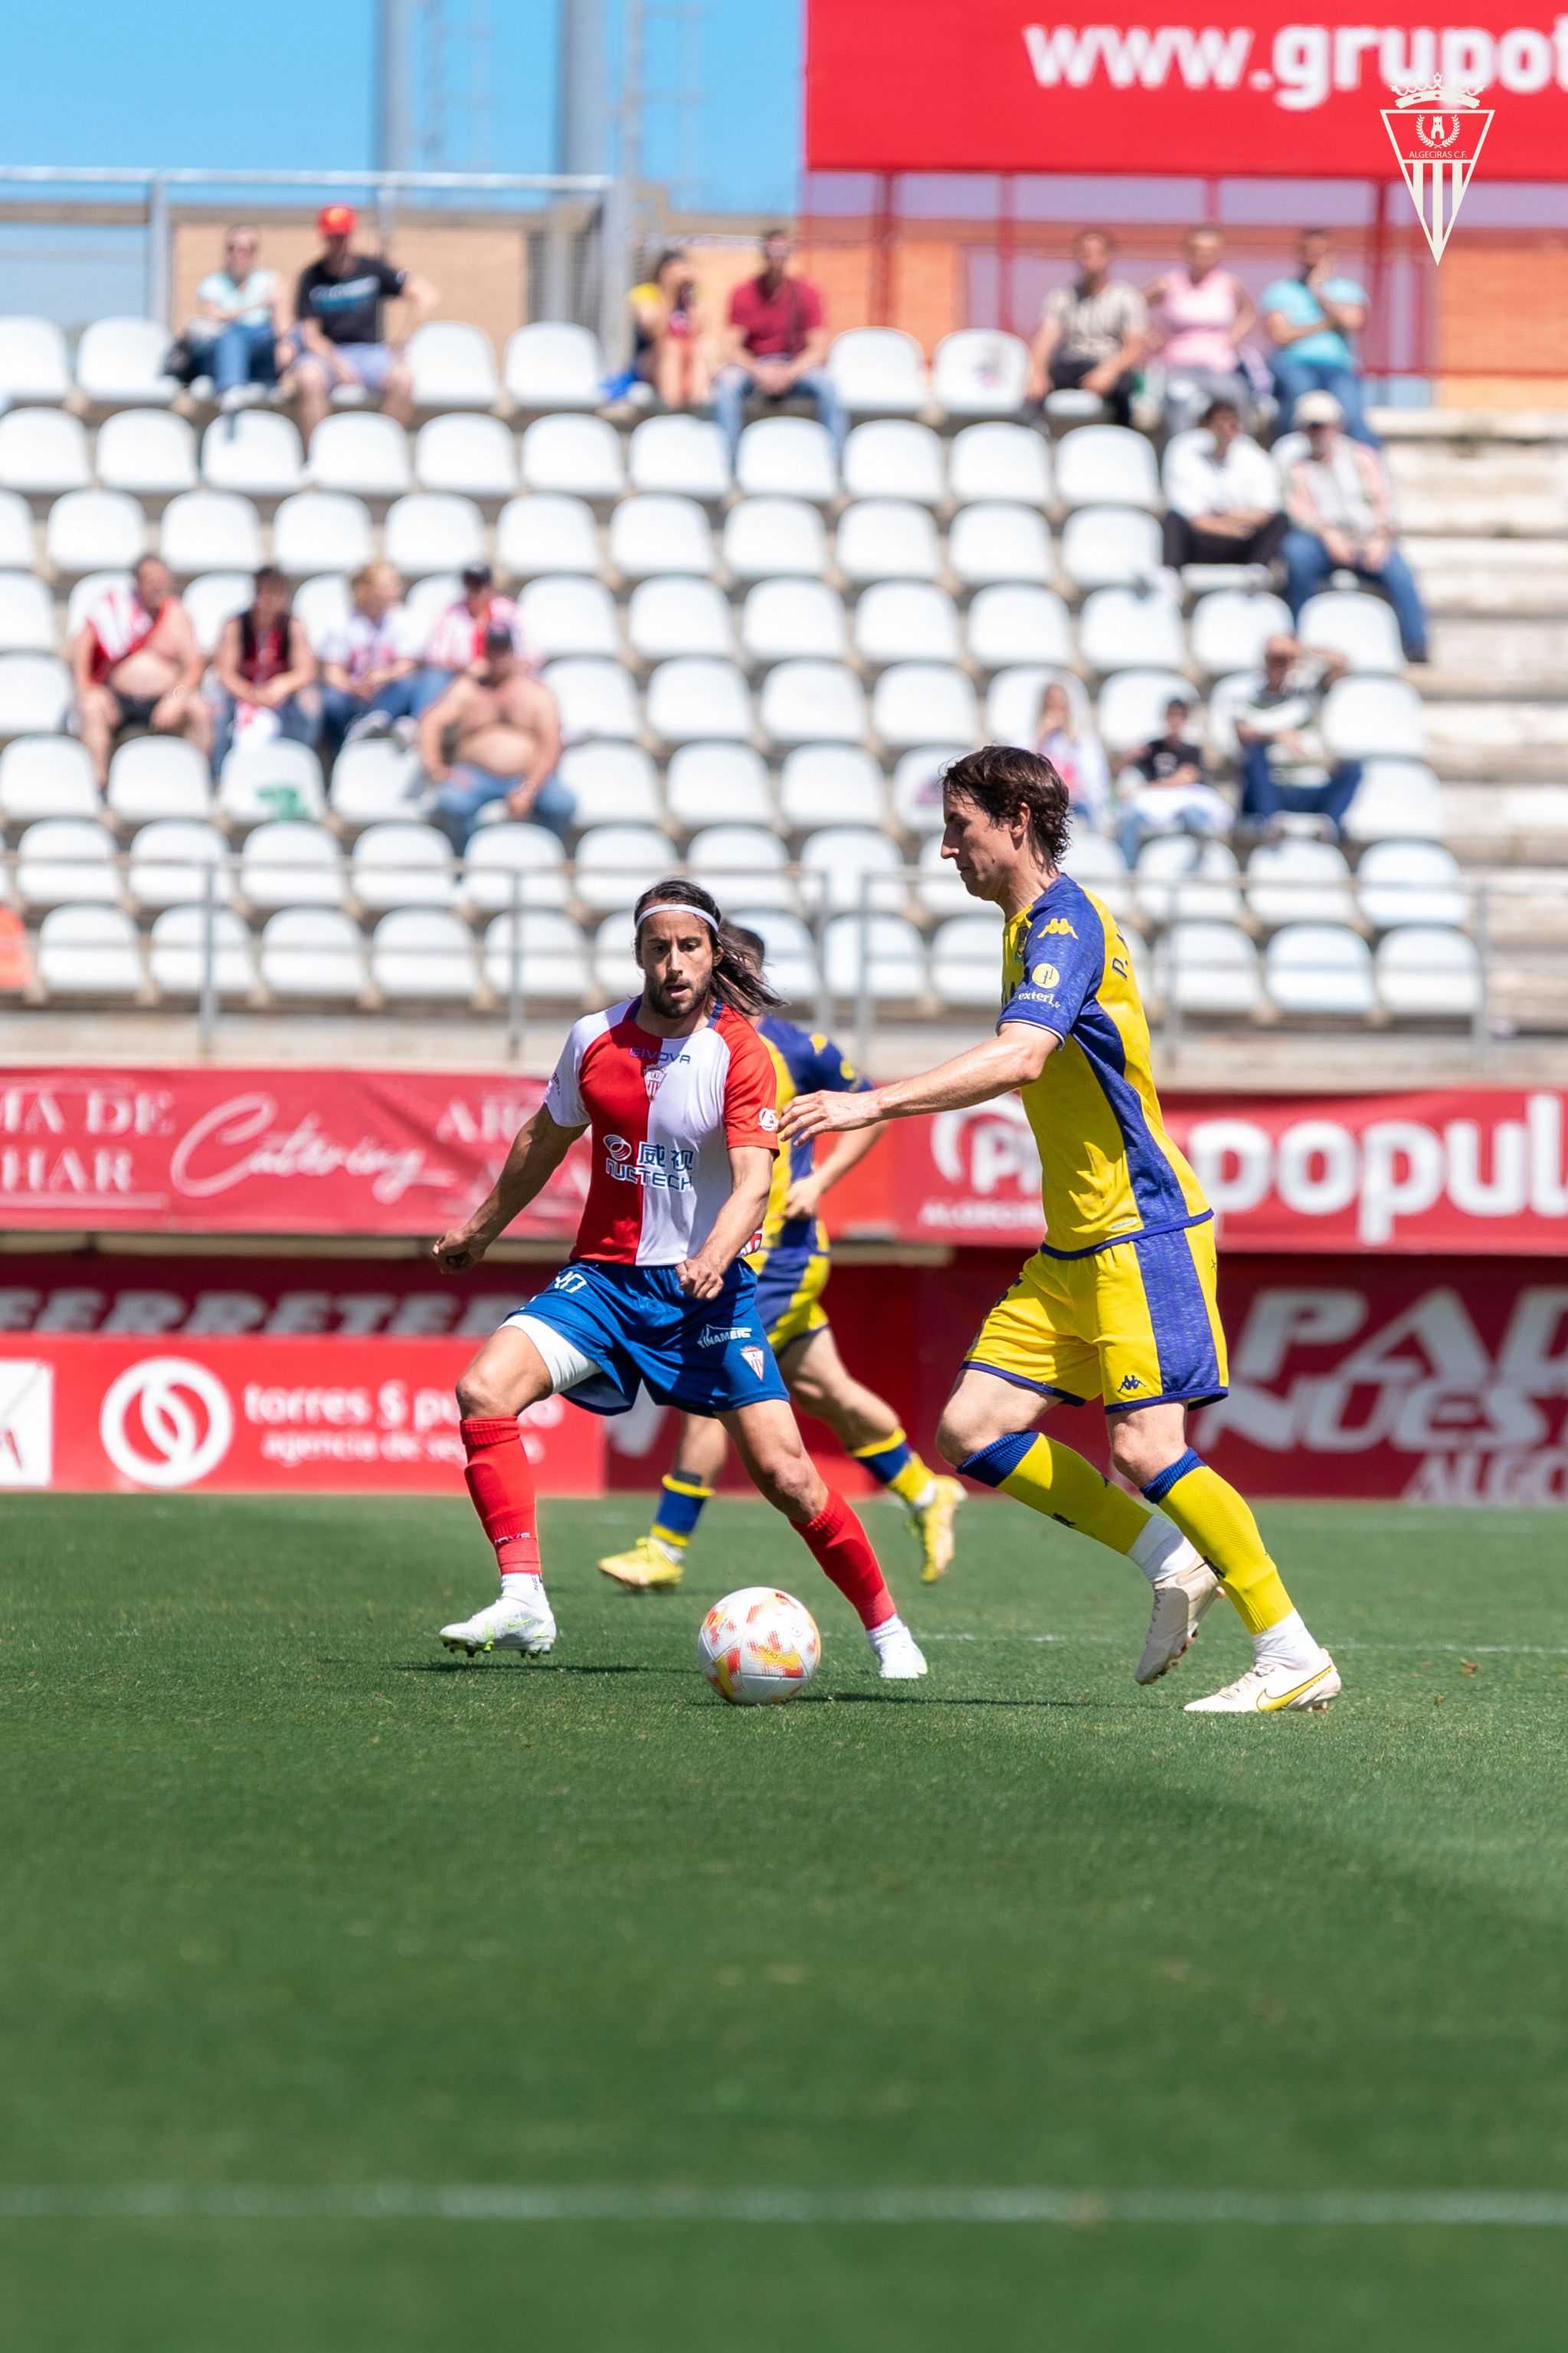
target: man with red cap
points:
(339, 339)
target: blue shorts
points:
(635, 1324)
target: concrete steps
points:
(1498, 742)
(1525, 826)
(1488, 576)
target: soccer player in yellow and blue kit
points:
(1118, 1302)
(792, 1266)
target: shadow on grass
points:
(510, 1665)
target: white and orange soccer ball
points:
(759, 1647)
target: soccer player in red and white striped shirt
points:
(678, 1091)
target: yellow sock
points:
(681, 1503)
(1214, 1517)
(894, 1463)
(1052, 1479)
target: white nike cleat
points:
(1270, 1691)
(898, 1656)
(1179, 1604)
(509, 1624)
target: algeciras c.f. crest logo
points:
(1437, 134)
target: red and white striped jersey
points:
(665, 1112)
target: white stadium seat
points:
(45, 776)
(158, 776)
(119, 364)
(255, 452)
(616, 968)
(291, 863)
(674, 615)
(980, 373)
(419, 954)
(1181, 880)
(683, 454)
(402, 865)
(569, 614)
(542, 953)
(170, 863)
(787, 458)
(96, 530)
(207, 531)
(906, 620)
(595, 699)
(474, 456)
(146, 452)
(998, 540)
(878, 372)
(966, 961)
(15, 531)
(742, 861)
(553, 365)
(262, 782)
(1013, 697)
(1000, 461)
(894, 458)
(89, 951)
(314, 955)
(1132, 704)
(1209, 968)
(1107, 465)
(63, 859)
(1319, 968)
(1299, 882)
(1109, 547)
(322, 606)
(940, 890)
(1428, 973)
(33, 363)
(1227, 631)
(843, 859)
(612, 784)
(367, 454)
(320, 530)
(616, 863)
(884, 953)
(1012, 624)
(831, 783)
(543, 534)
(695, 701)
(789, 953)
(511, 863)
(887, 539)
(1131, 628)
(85, 594)
(1353, 623)
(453, 366)
(432, 531)
(35, 695)
(177, 954)
(43, 452)
(1404, 883)
(1396, 800)
(793, 620)
(26, 615)
(1096, 864)
(767, 539)
(1373, 718)
(924, 703)
(577, 455)
(811, 702)
(374, 781)
(917, 786)
(654, 533)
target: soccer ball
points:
(759, 1647)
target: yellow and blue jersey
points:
(804, 1063)
(1108, 1169)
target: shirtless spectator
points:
(367, 676)
(265, 672)
(495, 735)
(136, 663)
(457, 640)
(341, 339)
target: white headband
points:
(675, 909)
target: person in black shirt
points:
(339, 337)
(1166, 788)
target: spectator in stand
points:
(1078, 757)
(1342, 516)
(456, 643)
(136, 663)
(340, 338)
(495, 735)
(1285, 765)
(1311, 318)
(669, 350)
(237, 335)
(266, 673)
(367, 674)
(1092, 334)
(776, 345)
(1166, 788)
(1222, 495)
(1201, 316)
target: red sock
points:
(844, 1551)
(501, 1485)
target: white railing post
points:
(206, 1015)
(863, 978)
(160, 272)
(516, 1012)
(1482, 1028)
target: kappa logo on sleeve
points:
(1059, 927)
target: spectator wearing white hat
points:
(1341, 519)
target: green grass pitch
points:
(290, 1901)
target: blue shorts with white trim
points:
(635, 1325)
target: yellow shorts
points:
(1134, 1324)
(790, 1284)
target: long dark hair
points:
(737, 982)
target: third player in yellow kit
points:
(1117, 1304)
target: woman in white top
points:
(1202, 315)
(238, 325)
(1078, 757)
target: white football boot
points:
(1180, 1601)
(1267, 1689)
(510, 1624)
(898, 1656)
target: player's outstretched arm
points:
(537, 1151)
(1017, 1054)
(751, 1169)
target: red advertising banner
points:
(999, 87)
(279, 1415)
